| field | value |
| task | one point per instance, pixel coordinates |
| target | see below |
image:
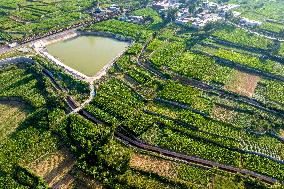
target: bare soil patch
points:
(18, 19)
(223, 114)
(86, 182)
(282, 133)
(55, 169)
(12, 113)
(58, 170)
(150, 164)
(243, 84)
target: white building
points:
(133, 19)
(248, 22)
(12, 45)
(165, 5)
(183, 21)
(114, 8)
(236, 14)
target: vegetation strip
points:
(138, 143)
(192, 159)
(210, 88)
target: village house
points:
(133, 19)
(165, 5)
(236, 14)
(251, 23)
(114, 8)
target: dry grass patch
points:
(243, 84)
(282, 133)
(55, 169)
(12, 113)
(222, 182)
(223, 114)
(86, 182)
(151, 164)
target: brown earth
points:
(223, 114)
(150, 164)
(58, 170)
(55, 169)
(282, 133)
(86, 182)
(243, 84)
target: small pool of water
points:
(87, 54)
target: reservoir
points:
(87, 54)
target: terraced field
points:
(180, 115)
(22, 18)
(16, 82)
(179, 109)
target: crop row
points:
(120, 101)
(241, 37)
(18, 83)
(186, 95)
(249, 60)
(125, 29)
(270, 92)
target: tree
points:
(19, 7)
(112, 161)
(114, 156)
(192, 5)
(171, 14)
(87, 137)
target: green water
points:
(87, 54)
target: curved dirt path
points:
(91, 97)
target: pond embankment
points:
(85, 54)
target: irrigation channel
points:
(207, 87)
(131, 140)
(126, 137)
(123, 135)
(34, 38)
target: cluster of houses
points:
(204, 13)
(166, 4)
(211, 12)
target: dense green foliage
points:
(135, 31)
(271, 91)
(20, 83)
(241, 37)
(186, 95)
(27, 178)
(26, 18)
(249, 60)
